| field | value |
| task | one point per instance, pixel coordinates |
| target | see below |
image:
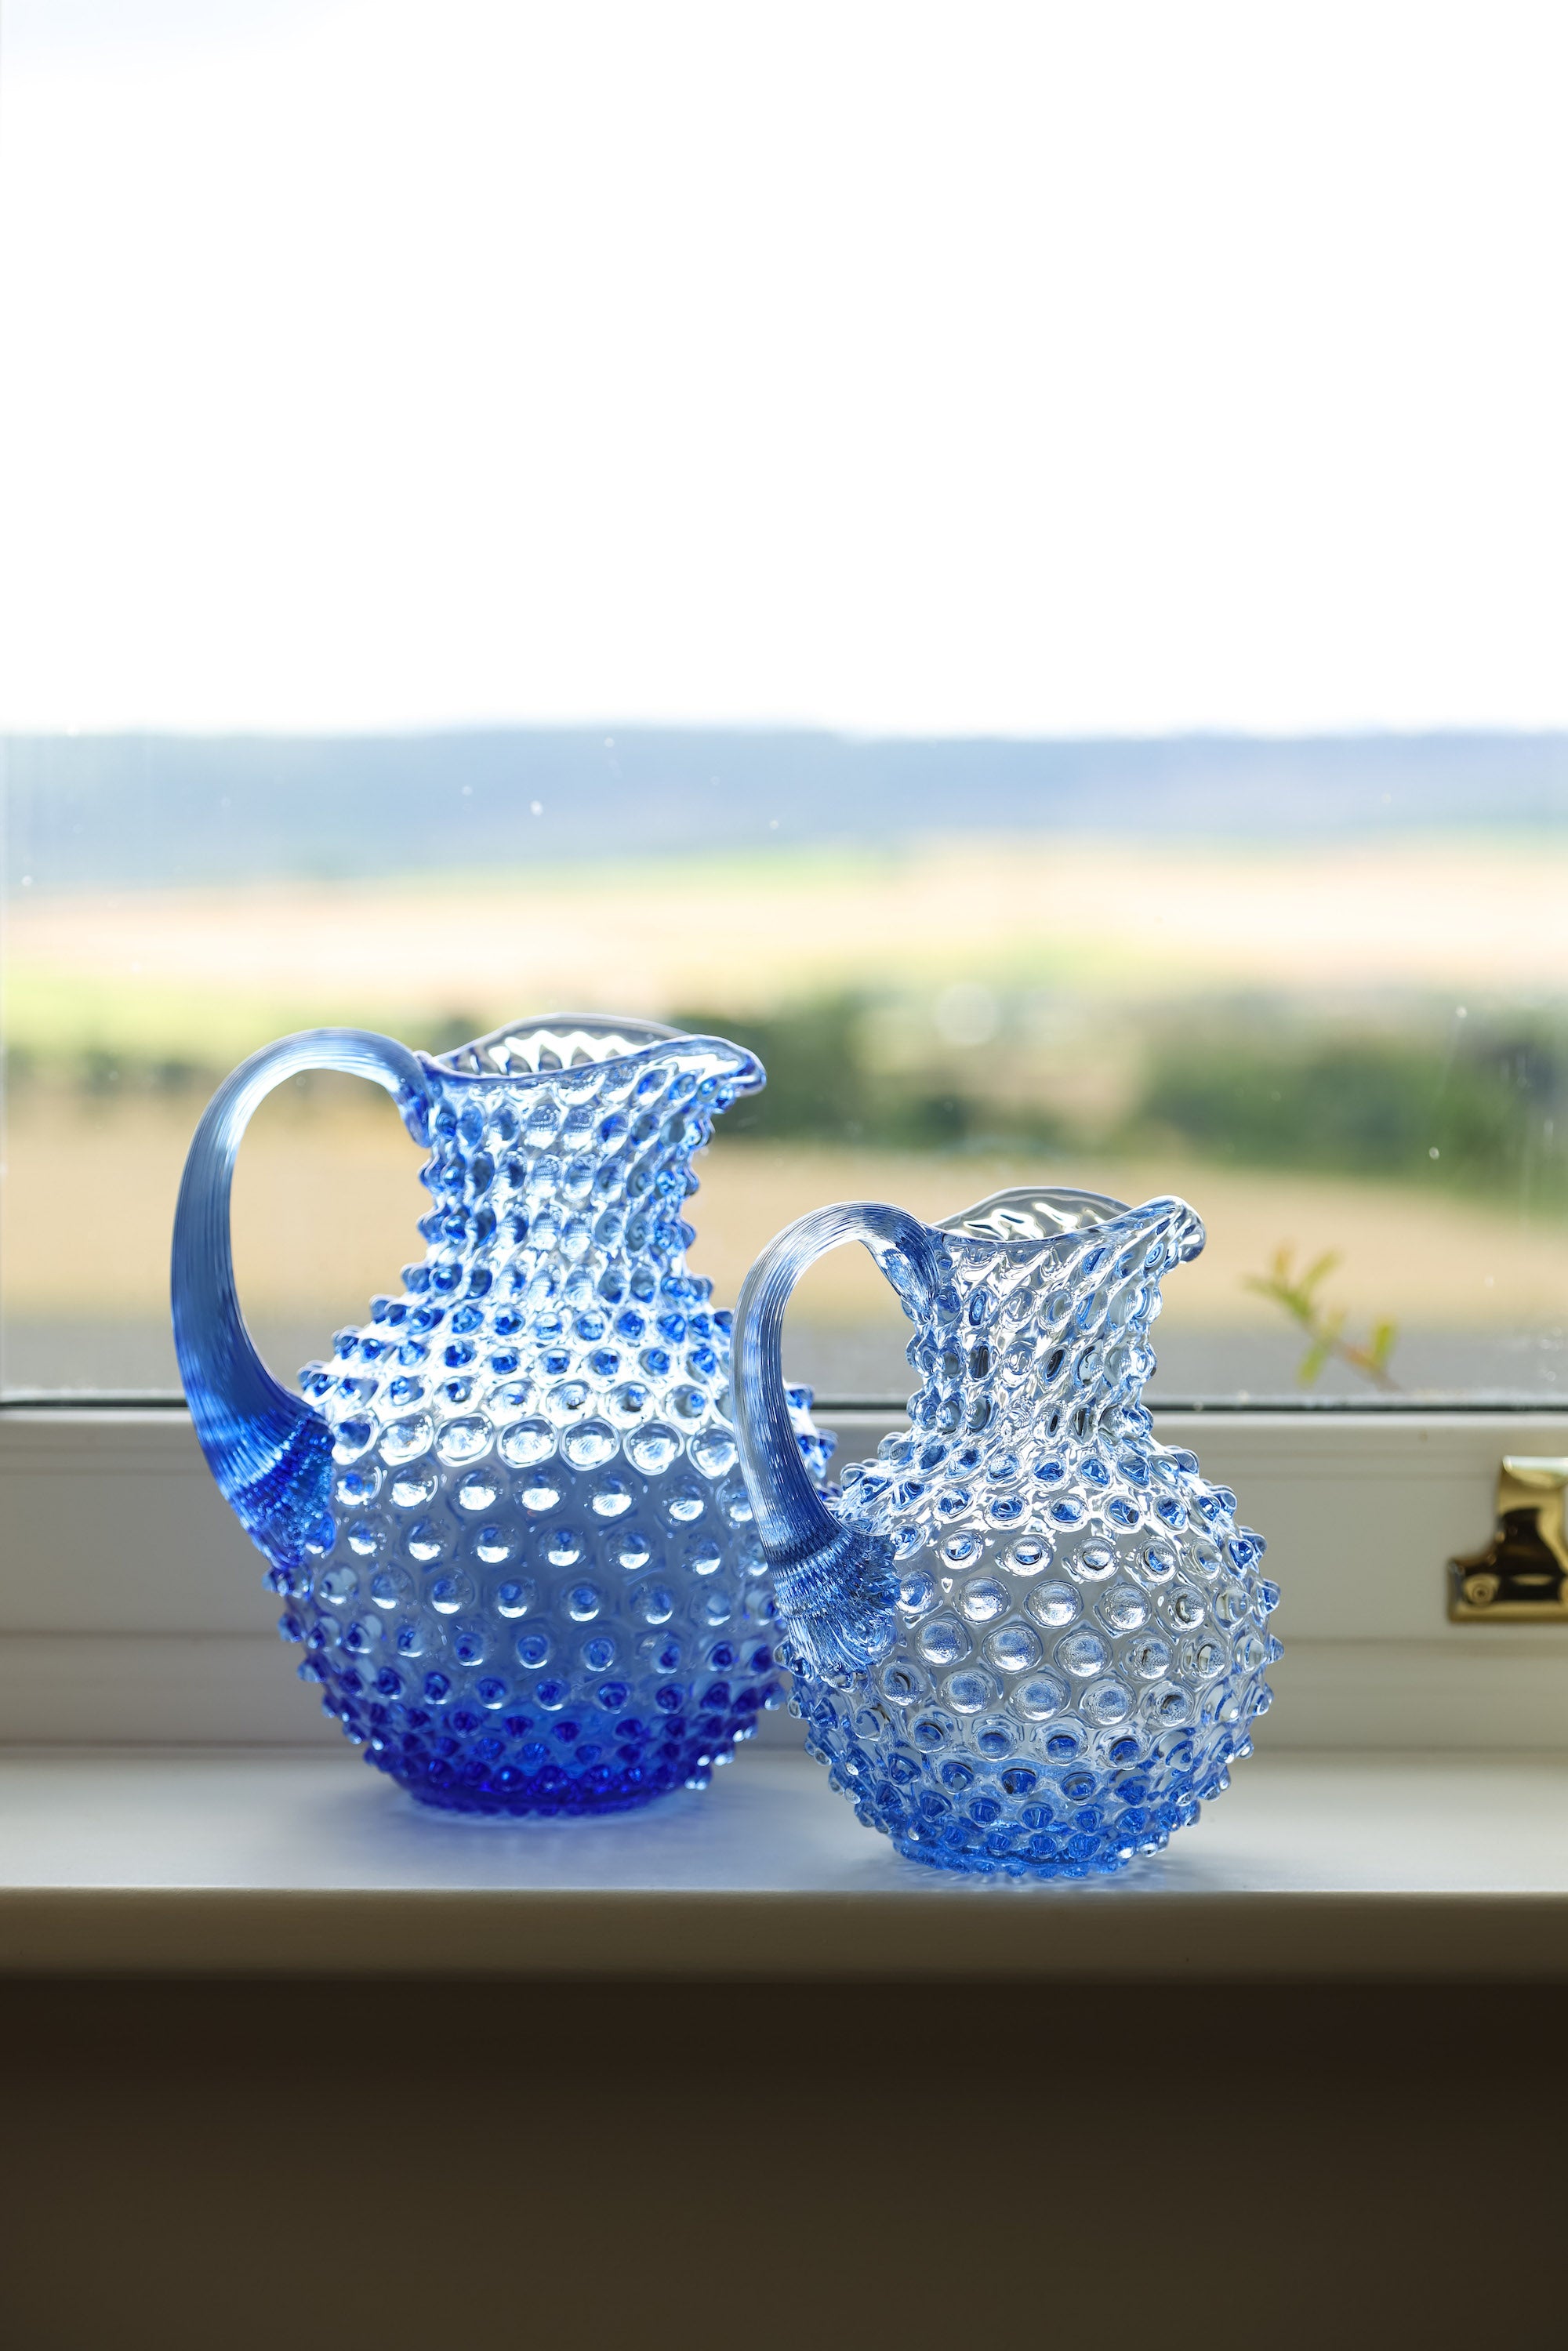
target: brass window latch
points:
(1521, 1575)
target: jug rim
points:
(1052, 1210)
(1037, 1216)
(562, 1041)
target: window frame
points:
(134, 1610)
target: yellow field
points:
(326, 1202)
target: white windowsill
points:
(227, 1863)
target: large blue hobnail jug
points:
(506, 1521)
(1027, 1638)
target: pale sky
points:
(1113, 366)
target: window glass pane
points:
(942, 544)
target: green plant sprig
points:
(1298, 1293)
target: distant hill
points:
(134, 809)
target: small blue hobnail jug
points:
(1027, 1639)
(507, 1520)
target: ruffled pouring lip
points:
(536, 1050)
(1044, 1215)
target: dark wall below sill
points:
(246, 2167)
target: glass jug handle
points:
(835, 1588)
(269, 1452)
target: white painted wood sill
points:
(1314, 1868)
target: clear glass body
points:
(1027, 1638)
(506, 1521)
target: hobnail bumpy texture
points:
(537, 1588)
(1081, 1630)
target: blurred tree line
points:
(1476, 1103)
(825, 1085)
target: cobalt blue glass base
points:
(575, 1763)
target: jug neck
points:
(1039, 1345)
(569, 1175)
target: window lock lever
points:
(1521, 1574)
